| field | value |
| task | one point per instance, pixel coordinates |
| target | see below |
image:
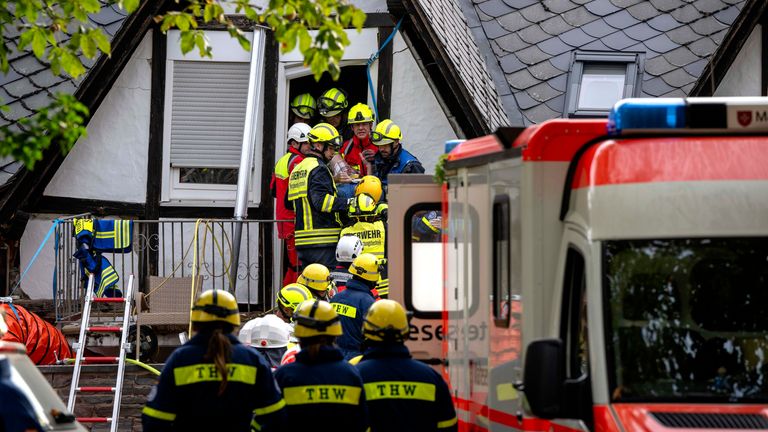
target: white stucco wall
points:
(111, 162)
(744, 75)
(415, 109)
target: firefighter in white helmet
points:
(269, 335)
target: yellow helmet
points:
(303, 106)
(386, 132)
(360, 113)
(370, 185)
(216, 305)
(292, 295)
(386, 321)
(316, 276)
(364, 206)
(325, 133)
(366, 266)
(332, 102)
(316, 318)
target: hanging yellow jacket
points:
(374, 238)
(312, 192)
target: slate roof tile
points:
(544, 71)
(682, 35)
(493, 30)
(625, 3)
(519, 4)
(596, 45)
(532, 55)
(658, 66)
(512, 22)
(666, 5)
(559, 82)
(718, 37)
(656, 87)
(555, 25)
(678, 78)
(660, 44)
(541, 113)
(554, 46)
(562, 61)
(707, 26)
(16, 110)
(525, 101)
(663, 23)
(641, 32)
(697, 67)
(510, 63)
(686, 14)
(581, 2)
(559, 6)
(643, 11)
(675, 93)
(598, 28)
(709, 6)
(617, 41)
(10, 77)
(703, 47)
(576, 37)
(536, 13)
(728, 16)
(533, 34)
(621, 20)
(482, 16)
(601, 7)
(28, 65)
(37, 101)
(497, 50)
(681, 56)
(579, 16)
(522, 79)
(46, 79)
(494, 8)
(511, 42)
(733, 2)
(556, 104)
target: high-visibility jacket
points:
(312, 191)
(323, 393)
(374, 238)
(402, 162)
(279, 184)
(395, 383)
(352, 152)
(187, 396)
(352, 304)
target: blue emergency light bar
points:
(717, 114)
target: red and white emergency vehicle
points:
(598, 274)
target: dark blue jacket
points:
(187, 396)
(395, 383)
(352, 304)
(323, 393)
(402, 162)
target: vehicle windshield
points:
(687, 319)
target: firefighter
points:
(298, 144)
(312, 194)
(348, 248)
(331, 105)
(372, 232)
(371, 185)
(213, 382)
(320, 384)
(352, 304)
(317, 278)
(359, 151)
(303, 108)
(289, 298)
(392, 158)
(395, 383)
(269, 335)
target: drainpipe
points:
(246, 156)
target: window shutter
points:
(208, 113)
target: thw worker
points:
(213, 382)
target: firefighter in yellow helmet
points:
(395, 383)
(320, 384)
(358, 150)
(317, 278)
(303, 108)
(289, 298)
(312, 195)
(332, 106)
(392, 158)
(213, 382)
(353, 303)
(369, 228)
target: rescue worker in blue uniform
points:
(320, 385)
(395, 383)
(353, 303)
(213, 382)
(312, 195)
(392, 158)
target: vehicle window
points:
(501, 261)
(425, 264)
(573, 324)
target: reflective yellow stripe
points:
(425, 221)
(328, 203)
(346, 310)
(255, 426)
(340, 394)
(208, 372)
(83, 224)
(281, 168)
(269, 408)
(355, 360)
(505, 392)
(399, 390)
(162, 415)
(324, 231)
(307, 212)
(447, 423)
(318, 241)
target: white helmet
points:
(299, 132)
(268, 331)
(348, 248)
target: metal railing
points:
(170, 248)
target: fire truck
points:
(597, 274)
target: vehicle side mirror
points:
(544, 376)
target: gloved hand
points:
(382, 211)
(369, 154)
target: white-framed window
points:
(205, 112)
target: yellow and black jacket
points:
(312, 193)
(374, 238)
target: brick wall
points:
(137, 384)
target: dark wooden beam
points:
(73, 206)
(384, 86)
(764, 55)
(378, 19)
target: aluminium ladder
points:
(80, 358)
